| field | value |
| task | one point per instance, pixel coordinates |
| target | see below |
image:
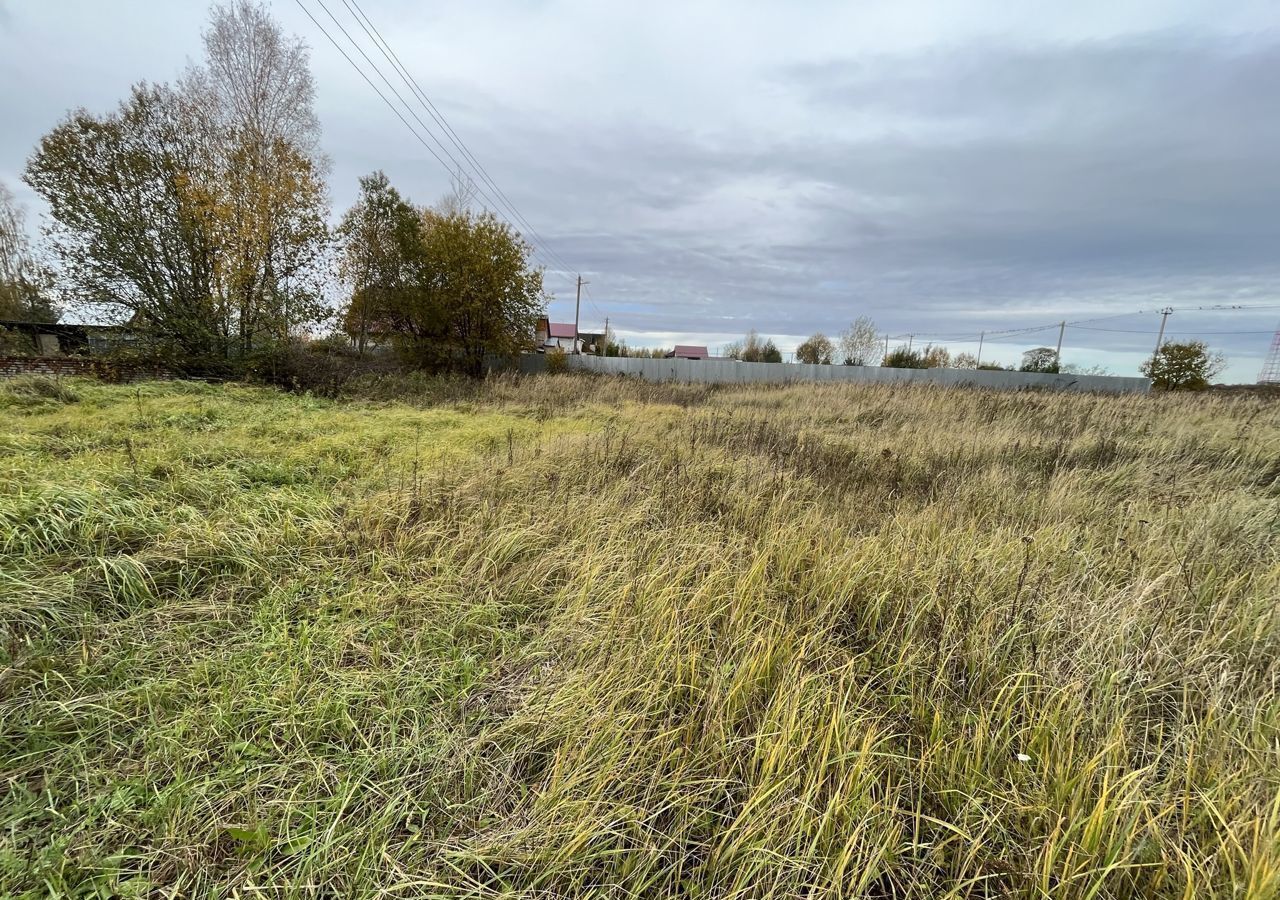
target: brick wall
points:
(70, 366)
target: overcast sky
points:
(711, 167)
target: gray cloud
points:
(977, 183)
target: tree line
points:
(1176, 365)
(197, 214)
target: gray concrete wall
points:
(729, 371)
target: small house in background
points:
(550, 335)
(688, 351)
(63, 338)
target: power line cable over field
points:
(494, 199)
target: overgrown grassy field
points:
(565, 637)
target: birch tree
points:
(859, 343)
(268, 201)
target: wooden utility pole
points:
(1057, 354)
(886, 346)
(977, 362)
(577, 308)
(604, 341)
(1164, 317)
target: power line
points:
(388, 53)
(1083, 324)
(591, 300)
(367, 79)
(1006, 332)
(1231, 307)
(456, 167)
(1143, 331)
(939, 336)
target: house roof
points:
(43, 326)
(689, 351)
(560, 329)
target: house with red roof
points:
(687, 351)
(554, 335)
(550, 335)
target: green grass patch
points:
(576, 637)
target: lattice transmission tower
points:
(1271, 368)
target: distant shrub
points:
(817, 350)
(122, 365)
(15, 343)
(753, 348)
(935, 357)
(1070, 369)
(643, 352)
(557, 361)
(1041, 359)
(322, 367)
(336, 342)
(1183, 366)
(904, 358)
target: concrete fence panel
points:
(717, 371)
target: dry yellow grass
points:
(566, 637)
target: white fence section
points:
(729, 371)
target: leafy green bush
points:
(1041, 359)
(557, 361)
(323, 368)
(15, 343)
(904, 358)
(1183, 366)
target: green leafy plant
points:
(1041, 359)
(904, 358)
(816, 350)
(1183, 366)
(557, 361)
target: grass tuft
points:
(34, 390)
